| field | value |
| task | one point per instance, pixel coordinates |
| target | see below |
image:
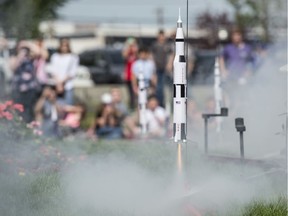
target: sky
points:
(137, 11)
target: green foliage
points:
(276, 207)
(256, 13)
(43, 193)
(29, 191)
(21, 18)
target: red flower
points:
(7, 115)
(9, 103)
(18, 107)
(35, 124)
(3, 107)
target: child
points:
(73, 117)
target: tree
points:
(258, 13)
(21, 19)
(213, 22)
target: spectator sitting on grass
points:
(73, 117)
(47, 112)
(156, 118)
(107, 121)
(118, 103)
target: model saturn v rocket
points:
(142, 101)
(217, 94)
(179, 87)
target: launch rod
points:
(187, 64)
(187, 26)
(241, 145)
(206, 116)
(206, 135)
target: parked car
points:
(105, 65)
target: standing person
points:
(237, 63)
(161, 51)
(236, 59)
(24, 83)
(144, 65)
(130, 55)
(64, 65)
(40, 62)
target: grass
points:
(43, 193)
(277, 207)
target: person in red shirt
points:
(130, 55)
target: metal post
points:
(241, 145)
(206, 116)
(240, 127)
(206, 135)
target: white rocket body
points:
(142, 101)
(218, 94)
(180, 87)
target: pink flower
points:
(39, 132)
(9, 103)
(18, 107)
(3, 107)
(7, 115)
(82, 157)
(29, 126)
(35, 124)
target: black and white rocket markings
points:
(142, 100)
(179, 87)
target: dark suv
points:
(105, 65)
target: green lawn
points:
(35, 177)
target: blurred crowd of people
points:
(47, 93)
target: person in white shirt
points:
(144, 64)
(63, 69)
(156, 117)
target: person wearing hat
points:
(107, 121)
